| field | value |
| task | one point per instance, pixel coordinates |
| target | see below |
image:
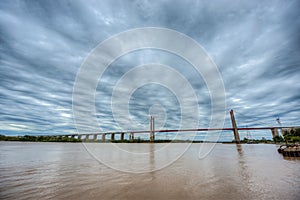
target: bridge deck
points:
(183, 130)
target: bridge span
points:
(152, 131)
(86, 136)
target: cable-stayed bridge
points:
(152, 131)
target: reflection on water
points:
(134, 158)
(243, 169)
(151, 157)
(67, 171)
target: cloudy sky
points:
(254, 44)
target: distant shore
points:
(28, 138)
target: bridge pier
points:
(235, 130)
(103, 137)
(79, 137)
(72, 136)
(122, 136)
(131, 136)
(87, 137)
(112, 136)
(274, 132)
(95, 137)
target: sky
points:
(43, 44)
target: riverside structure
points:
(152, 131)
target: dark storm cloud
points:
(255, 45)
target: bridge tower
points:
(248, 134)
(234, 126)
(152, 132)
(281, 129)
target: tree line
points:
(31, 138)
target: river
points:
(76, 171)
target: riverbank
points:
(28, 138)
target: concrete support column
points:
(103, 136)
(112, 136)
(87, 137)
(122, 136)
(274, 132)
(234, 126)
(131, 136)
(95, 137)
(79, 137)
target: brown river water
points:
(99, 171)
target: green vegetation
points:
(29, 138)
(278, 139)
(291, 135)
(256, 141)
